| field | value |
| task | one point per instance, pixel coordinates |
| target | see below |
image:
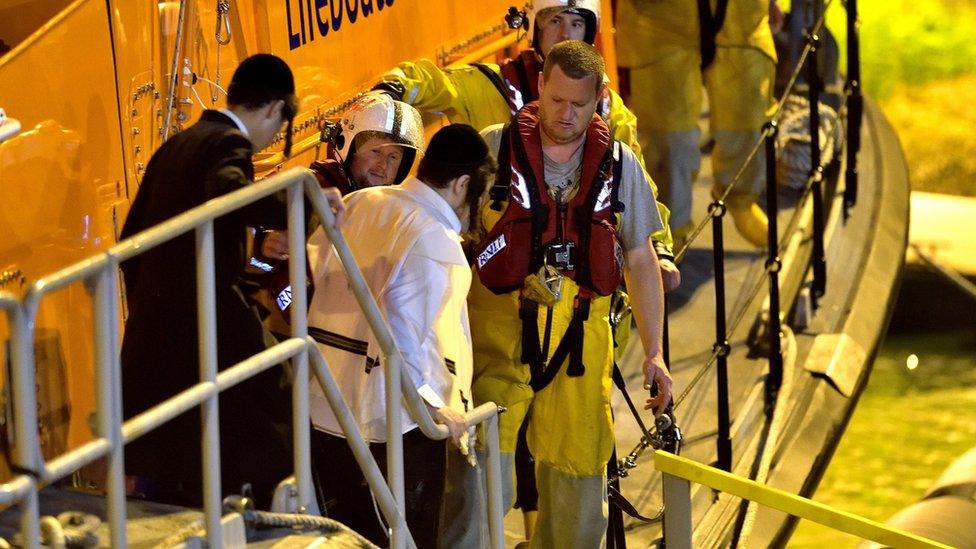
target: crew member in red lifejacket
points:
(577, 215)
(482, 94)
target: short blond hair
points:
(577, 60)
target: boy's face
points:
(557, 27)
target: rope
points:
(223, 7)
(265, 519)
(193, 530)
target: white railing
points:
(100, 273)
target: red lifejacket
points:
(534, 224)
(519, 82)
(520, 75)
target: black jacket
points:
(159, 349)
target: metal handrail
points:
(101, 275)
(27, 450)
(680, 471)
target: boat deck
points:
(826, 362)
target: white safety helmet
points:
(378, 113)
(587, 9)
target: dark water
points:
(910, 424)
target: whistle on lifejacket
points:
(544, 287)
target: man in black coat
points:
(160, 347)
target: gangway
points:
(100, 274)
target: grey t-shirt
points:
(640, 218)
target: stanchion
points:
(724, 439)
(814, 87)
(855, 107)
(773, 265)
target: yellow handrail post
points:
(677, 512)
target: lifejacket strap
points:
(500, 189)
(529, 314)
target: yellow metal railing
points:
(679, 471)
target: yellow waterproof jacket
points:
(649, 30)
(466, 95)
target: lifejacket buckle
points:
(561, 255)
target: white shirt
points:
(405, 239)
(235, 119)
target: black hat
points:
(456, 145)
(261, 75)
(261, 79)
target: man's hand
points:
(275, 245)
(670, 274)
(656, 375)
(453, 420)
(334, 198)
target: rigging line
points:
(761, 281)
(953, 276)
(698, 377)
(199, 100)
(801, 62)
(175, 68)
(745, 307)
(740, 314)
(223, 7)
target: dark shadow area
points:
(927, 302)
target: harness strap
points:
(622, 503)
(618, 169)
(708, 26)
(499, 191)
(338, 341)
(540, 210)
(524, 83)
(343, 343)
(529, 314)
(570, 346)
(493, 77)
(583, 274)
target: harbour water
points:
(916, 416)
(918, 413)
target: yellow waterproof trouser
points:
(667, 98)
(571, 428)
